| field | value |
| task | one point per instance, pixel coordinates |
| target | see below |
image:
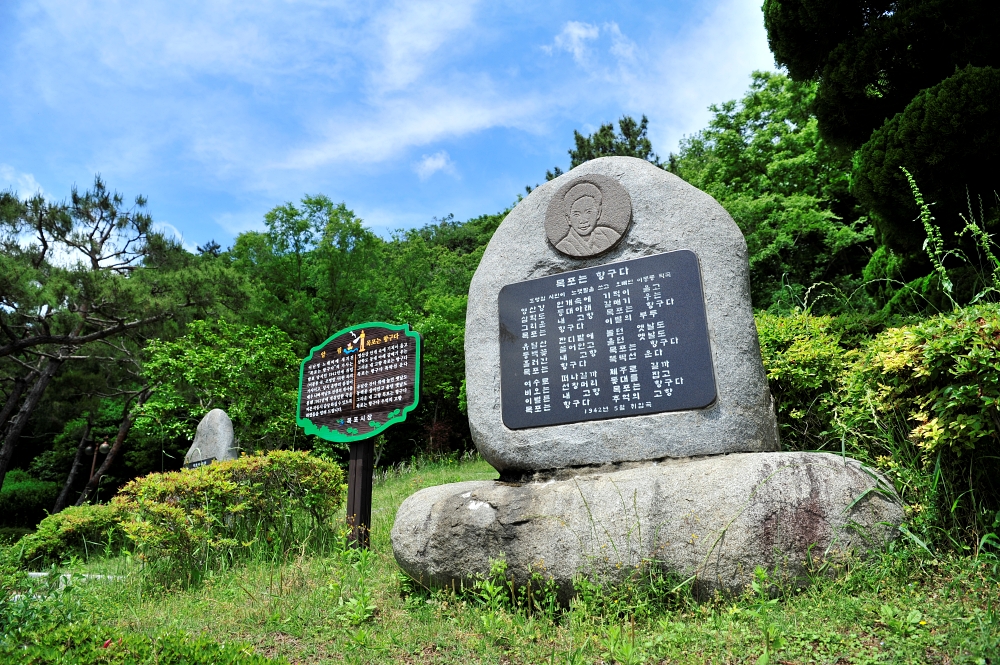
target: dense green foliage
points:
(924, 398)
(311, 271)
(763, 159)
(183, 523)
(804, 362)
(24, 500)
(912, 83)
(920, 401)
(82, 284)
(248, 371)
(77, 531)
(317, 269)
(99, 421)
(873, 56)
(955, 162)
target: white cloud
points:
(412, 33)
(712, 65)
(402, 124)
(431, 164)
(622, 47)
(151, 41)
(256, 101)
(170, 230)
(674, 79)
(23, 183)
(574, 38)
(235, 224)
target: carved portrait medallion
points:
(588, 216)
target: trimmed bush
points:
(25, 500)
(942, 375)
(77, 530)
(196, 519)
(923, 401)
(804, 361)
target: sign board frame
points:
(399, 416)
(362, 448)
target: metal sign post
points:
(351, 388)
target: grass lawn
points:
(907, 606)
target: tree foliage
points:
(251, 372)
(629, 141)
(317, 269)
(763, 159)
(308, 269)
(911, 83)
(84, 279)
(946, 129)
(872, 57)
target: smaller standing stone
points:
(214, 440)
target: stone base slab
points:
(714, 518)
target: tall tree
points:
(251, 372)
(763, 159)
(910, 82)
(133, 405)
(311, 269)
(629, 141)
(78, 274)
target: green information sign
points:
(360, 381)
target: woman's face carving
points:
(583, 215)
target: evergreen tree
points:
(629, 141)
(910, 82)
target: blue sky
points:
(219, 110)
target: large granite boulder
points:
(214, 440)
(666, 214)
(716, 518)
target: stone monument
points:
(614, 379)
(214, 441)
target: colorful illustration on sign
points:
(359, 381)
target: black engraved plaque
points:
(616, 340)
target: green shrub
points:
(77, 530)
(13, 582)
(920, 401)
(24, 500)
(11, 534)
(804, 360)
(196, 519)
(943, 374)
(927, 395)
